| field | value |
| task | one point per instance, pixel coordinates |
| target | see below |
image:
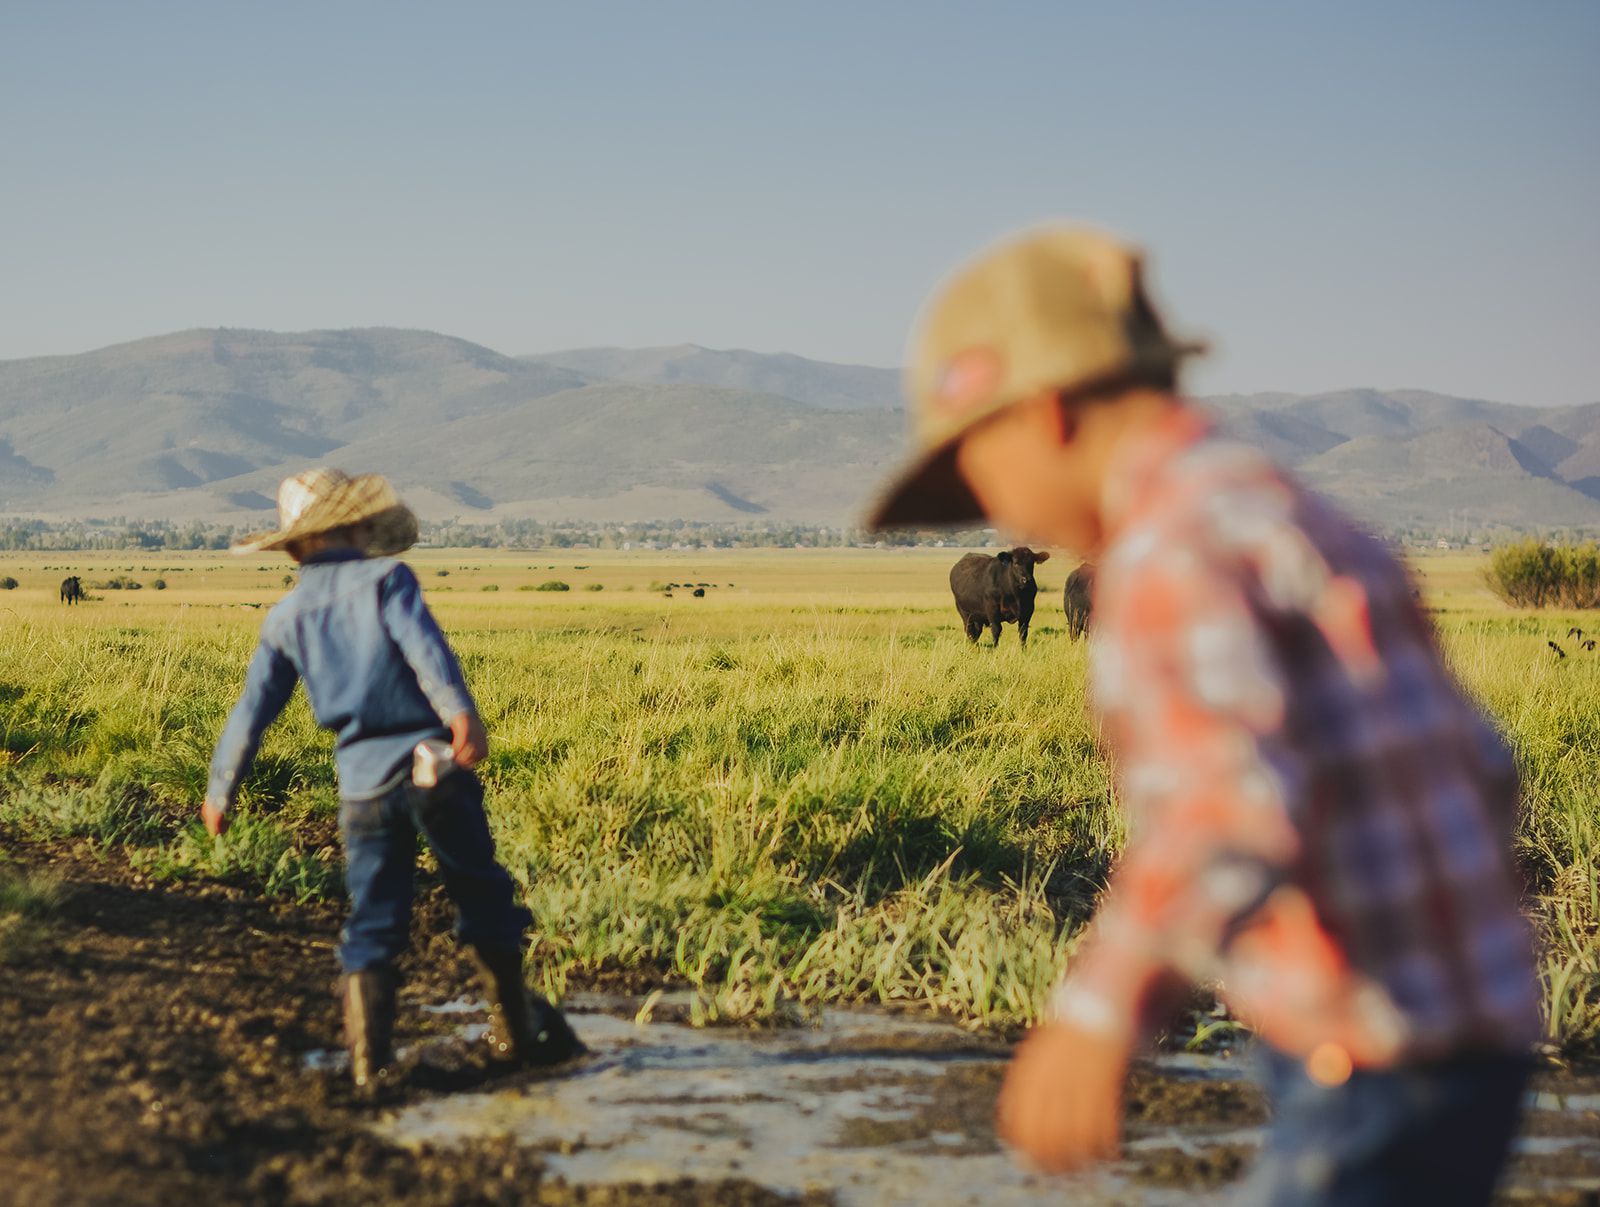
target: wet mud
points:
(152, 1051)
(168, 1042)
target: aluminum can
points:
(431, 761)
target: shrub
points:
(442, 573)
(491, 586)
(159, 585)
(8, 583)
(554, 584)
(121, 583)
(1534, 574)
(595, 587)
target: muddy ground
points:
(154, 1042)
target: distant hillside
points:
(818, 383)
(1454, 469)
(184, 411)
(1408, 457)
(203, 424)
(617, 451)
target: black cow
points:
(71, 590)
(992, 590)
(1078, 600)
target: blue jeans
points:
(1417, 1134)
(380, 845)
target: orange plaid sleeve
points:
(1193, 702)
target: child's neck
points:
(307, 552)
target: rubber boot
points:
(369, 1001)
(525, 1028)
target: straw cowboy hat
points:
(320, 500)
(1059, 308)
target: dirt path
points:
(150, 1055)
(154, 1043)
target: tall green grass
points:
(1547, 710)
(842, 805)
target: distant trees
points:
(118, 534)
(1538, 574)
(111, 534)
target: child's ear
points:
(1042, 557)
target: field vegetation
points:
(803, 789)
(1536, 574)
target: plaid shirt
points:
(1320, 822)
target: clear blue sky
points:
(1340, 193)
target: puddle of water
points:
(839, 1107)
(1197, 1141)
(874, 1108)
(1546, 1101)
(1544, 1146)
(337, 1060)
(460, 1005)
(1221, 1067)
(325, 1060)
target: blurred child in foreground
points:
(1320, 822)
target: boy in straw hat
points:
(381, 675)
(1319, 821)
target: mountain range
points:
(202, 424)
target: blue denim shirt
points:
(377, 669)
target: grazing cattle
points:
(1078, 600)
(990, 591)
(71, 590)
(699, 592)
(1559, 652)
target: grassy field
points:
(803, 787)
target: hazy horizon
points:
(1404, 197)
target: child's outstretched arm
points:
(268, 684)
(1193, 696)
(422, 644)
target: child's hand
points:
(1061, 1105)
(469, 743)
(216, 820)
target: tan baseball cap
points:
(1060, 308)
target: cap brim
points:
(929, 493)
